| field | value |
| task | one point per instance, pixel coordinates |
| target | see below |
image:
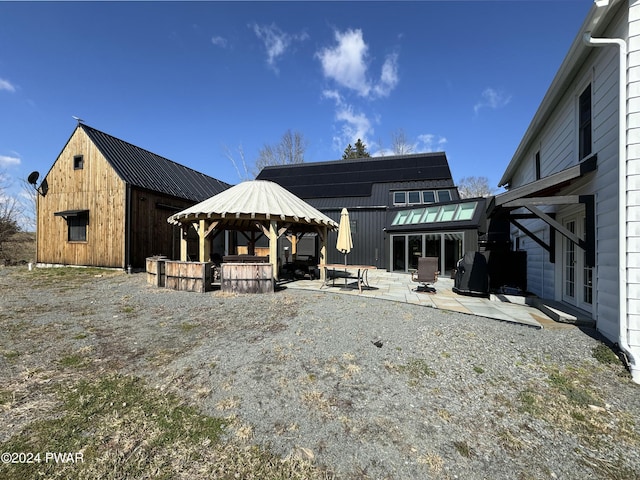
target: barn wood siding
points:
(95, 187)
(151, 234)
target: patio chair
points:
(427, 273)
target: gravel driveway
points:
(365, 388)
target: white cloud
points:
(333, 95)
(6, 85)
(7, 161)
(219, 41)
(346, 64)
(430, 143)
(389, 76)
(493, 99)
(354, 125)
(275, 41)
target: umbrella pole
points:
(345, 270)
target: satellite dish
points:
(33, 178)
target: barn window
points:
(78, 162)
(77, 223)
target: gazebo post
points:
(184, 228)
(323, 252)
(273, 247)
(205, 242)
(294, 247)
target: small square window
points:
(444, 195)
(414, 197)
(428, 197)
(78, 162)
(399, 198)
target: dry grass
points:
(125, 430)
(59, 394)
(19, 249)
(569, 401)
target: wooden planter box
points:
(247, 278)
(155, 270)
(244, 259)
(188, 276)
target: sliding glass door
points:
(407, 248)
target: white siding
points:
(557, 142)
(633, 179)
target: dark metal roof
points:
(70, 213)
(144, 169)
(355, 178)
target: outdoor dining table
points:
(361, 269)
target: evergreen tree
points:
(349, 152)
(359, 151)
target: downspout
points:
(127, 230)
(623, 343)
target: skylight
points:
(443, 213)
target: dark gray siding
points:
(368, 238)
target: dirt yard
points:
(104, 376)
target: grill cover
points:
(471, 275)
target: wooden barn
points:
(105, 202)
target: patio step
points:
(563, 313)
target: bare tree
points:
(244, 174)
(400, 143)
(471, 187)
(29, 200)
(10, 209)
(290, 149)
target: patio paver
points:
(398, 287)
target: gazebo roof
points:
(255, 200)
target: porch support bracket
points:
(548, 247)
(588, 244)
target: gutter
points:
(623, 343)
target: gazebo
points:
(257, 206)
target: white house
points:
(573, 184)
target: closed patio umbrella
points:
(344, 243)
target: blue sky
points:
(192, 81)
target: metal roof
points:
(257, 199)
(355, 178)
(144, 169)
